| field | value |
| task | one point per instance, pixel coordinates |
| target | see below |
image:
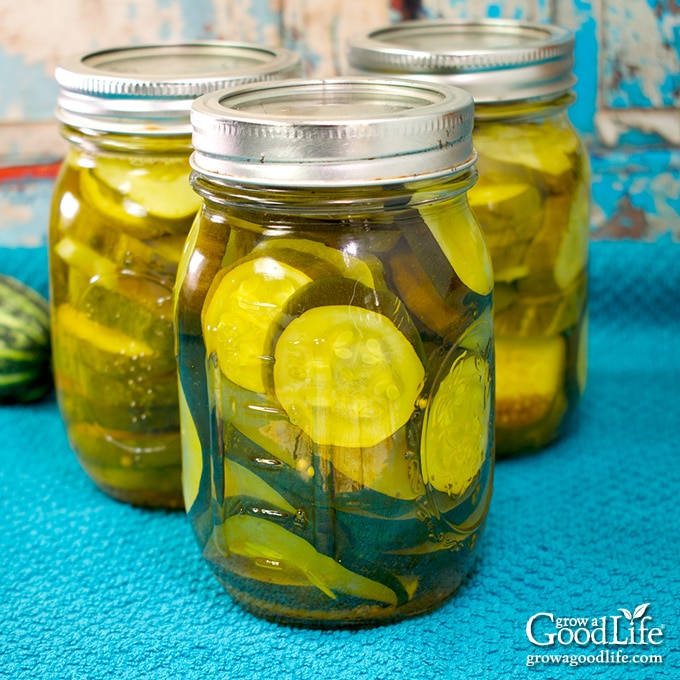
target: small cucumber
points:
(25, 347)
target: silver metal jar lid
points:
(494, 59)
(148, 89)
(335, 132)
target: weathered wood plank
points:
(319, 30)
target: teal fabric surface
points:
(91, 588)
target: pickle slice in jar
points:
(107, 350)
(386, 468)
(346, 375)
(138, 418)
(572, 254)
(169, 247)
(456, 430)
(542, 153)
(559, 252)
(279, 556)
(129, 450)
(129, 393)
(343, 263)
(541, 315)
(291, 480)
(85, 259)
(439, 313)
(161, 189)
(146, 199)
(238, 313)
(240, 481)
(510, 214)
(463, 245)
(348, 363)
(137, 306)
(529, 377)
(87, 229)
(192, 454)
(509, 211)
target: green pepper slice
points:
(279, 556)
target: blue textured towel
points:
(91, 588)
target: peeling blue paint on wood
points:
(24, 212)
(636, 195)
(641, 53)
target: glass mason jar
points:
(121, 209)
(333, 311)
(532, 200)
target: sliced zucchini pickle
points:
(161, 187)
(85, 259)
(192, 455)
(347, 374)
(107, 350)
(509, 210)
(128, 392)
(137, 306)
(136, 417)
(87, 229)
(238, 312)
(389, 467)
(240, 481)
(510, 214)
(544, 154)
(146, 198)
(119, 449)
(540, 315)
(170, 247)
(439, 313)
(456, 435)
(529, 377)
(343, 263)
(463, 246)
(572, 254)
(559, 252)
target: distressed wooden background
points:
(627, 63)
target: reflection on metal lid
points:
(340, 131)
(493, 59)
(134, 88)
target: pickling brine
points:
(335, 352)
(121, 210)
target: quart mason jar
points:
(335, 337)
(121, 210)
(532, 200)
